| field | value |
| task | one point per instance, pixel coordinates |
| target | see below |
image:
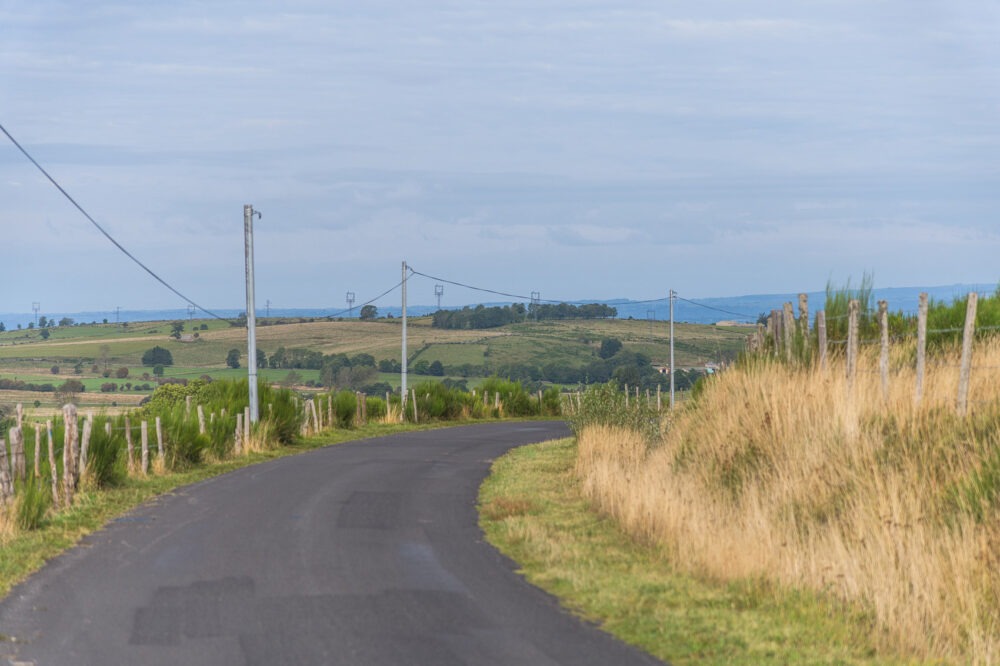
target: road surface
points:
(363, 553)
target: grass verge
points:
(26, 552)
(532, 510)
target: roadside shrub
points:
(32, 500)
(345, 406)
(605, 405)
(104, 453)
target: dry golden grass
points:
(781, 473)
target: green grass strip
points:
(532, 510)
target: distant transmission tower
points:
(36, 306)
(190, 312)
(350, 304)
(536, 301)
(439, 292)
(267, 309)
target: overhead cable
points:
(103, 231)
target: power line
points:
(709, 307)
(369, 302)
(102, 230)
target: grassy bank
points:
(786, 473)
(24, 552)
(532, 509)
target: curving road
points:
(363, 553)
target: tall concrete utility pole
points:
(402, 388)
(248, 213)
(673, 295)
(439, 292)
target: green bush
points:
(104, 452)
(345, 406)
(605, 404)
(33, 499)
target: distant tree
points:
(45, 334)
(121, 373)
(369, 312)
(176, 329)
(66, 321)
(72, 386)
(2, 327)
(261, 359)
(54, 369)
(158, 370)
(109, 387)
(31, 325)
(233, 358)
(43, 321)
(421, 367)
(105, 320)
(610, 347)
(157, 356)
(436, 369)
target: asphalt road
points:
(362, 553)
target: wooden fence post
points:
(966, 369)
(53, 467)
(18, 466)
(144, 433)
(804, 315)
(852, 342)
(821, 337)
(19, 414)
(187, 404)
(6, 483)
(201, 420)
(69, 453)
(159, 439)
(413, 398)
(129, 450)
(883, 357)
(239, 433)
(85, 443)
(788, 326)
(774, 322)
(659, 400)
(38, 450)
(921, 347)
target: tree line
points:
(482, 316)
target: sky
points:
(581, 149)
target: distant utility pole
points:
(268, 310)
(673, 295)
(402, 388)
(36, 306)
(190, 312)
(536, 300)
(350, 304)
(118, 315)
(651, 316)
(248, 213)
(439, 292)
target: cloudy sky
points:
(581, 149)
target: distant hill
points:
(700, 311)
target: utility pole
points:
(36, 306)
(350, 304)
(118, 315)
(402, 388)
(536, 300)
(248, 213)
(190, 312)
(268, 310)
(439, 292)
(673, 295)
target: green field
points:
(78, 350)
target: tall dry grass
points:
(781, 472)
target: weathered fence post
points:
(852, 342)
(921, 347)
(239, 433)
(85, 443)
(38, 450)
(364, 408)
(966, 369)
(70, 439)
(804, 315)
(883, 357)
(821, 337)
(201, 420)
(413, 398)
(774, 324)
(144, 434)
(187, 404)
(6, 483)
(788, 330)
(19, 414)
(129, 450)
(53, 467)
(159, 439)
(626, 396)
(18, 467)
(659, 400)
